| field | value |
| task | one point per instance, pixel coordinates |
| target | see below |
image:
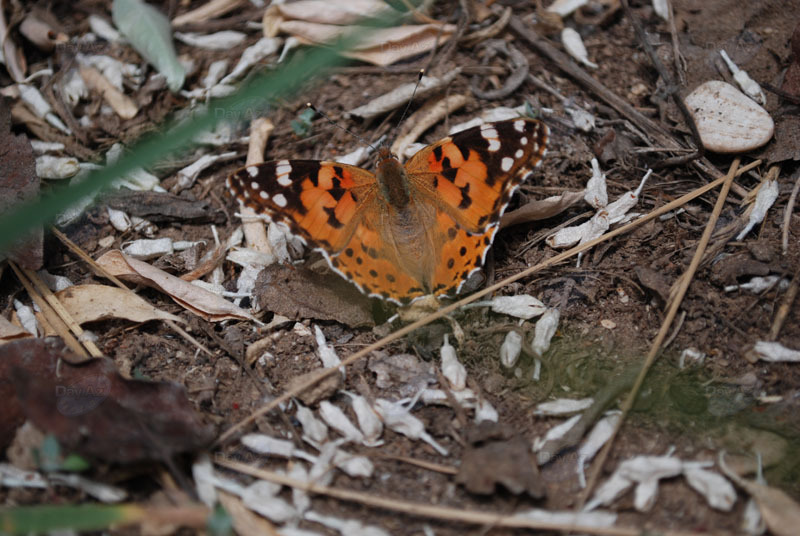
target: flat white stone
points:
(728, 121)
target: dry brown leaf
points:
(9, 331)
(540, 209)
(330, 11)
(780, 512)
(380, 47)
(199, 301)
(89, 303)
(92, 409)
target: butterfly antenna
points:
(337, 125)
(413, 93)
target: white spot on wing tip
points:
(284, 180)
(263, 194)
(519, 153)
(523, 140)
(506, 163)
(494, 145)
(254, 185)
(279, 200)
(519, 124)
(252, 170)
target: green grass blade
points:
(283, 81)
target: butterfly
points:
(405, 231)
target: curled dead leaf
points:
(199, 301)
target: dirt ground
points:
(611, 306)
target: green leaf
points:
(41, 519)
(220, 522)
(302, 125)
(149, 32)
(75, 463)
(49, 454)
(177, 135)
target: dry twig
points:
(655, 347)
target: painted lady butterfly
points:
(405, 231)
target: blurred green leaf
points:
(149, 32)
(302, 125)
(220, 522)
(40, 519)
(176, 135)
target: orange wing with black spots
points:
(409, 231)
(472, 174)
(321, 202)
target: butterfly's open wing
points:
(470, 178)
(330, 206)
(318, 201)
(472, 174)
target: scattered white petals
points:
(252, 55)
(546, 327)
(582, 119)
(301, 330)
(326, 352)
(565, 7)
(189, 174)
(354, 466)
(300, 498)
(554, 433)
(269, 446)
(14, 477)
(766, 196)
(397, 417)
(217, 41)
(104, 29)
(100, 491)
(521, 306)
(759, 284)
(260, 497)
(563, 406)
(56, 167)
(26, 318)
(368, 421)
(146, 249)
(600, 434)
(38, 105)
(55, 283)
(510, 349)
(693, 355)
(203, 475)
(336, 419)
(776, 352)
(596, 194)
(574, 46)
(717, 490)
(452, 369)
(346, 527)
(584, 519)
(661, 8)
(313, 428)
(491, 115)
(42, 147)
(752, 521)
(747, 84)
(486, 412)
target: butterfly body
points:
(407, 230)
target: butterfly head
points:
(392, 179)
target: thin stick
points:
(787, 215)
(785, 307)
(104, 273)
(437, 512)
(655, 347)
(321, 374)
(61, 311)
(50, 316)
